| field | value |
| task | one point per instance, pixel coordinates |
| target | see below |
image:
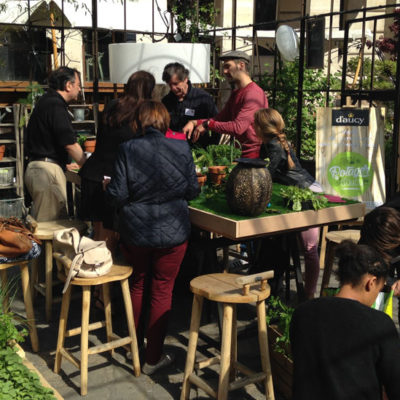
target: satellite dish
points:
(287, 42)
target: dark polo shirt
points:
(50, 129)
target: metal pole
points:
(234, 9)
(328, 72)
(95, 53)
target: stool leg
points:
(264, 350)
(131, 326)
(62, 327)
(107, 313)
(330, 253)
(232, 373)
(85, 338)
(4, 289)
(34, 275)
(226, 338)
(193, 337)
(49, 277)
(26, 290)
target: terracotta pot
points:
(2, 150)
(217, 173)
(89, 145)
(201, 179)
(249, 187)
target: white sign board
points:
(127, 58)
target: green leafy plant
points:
(296, 196)
(35, 91)
(202, 158)
(223, 154)
(16, 380)
(280, 314)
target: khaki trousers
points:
(47, 186)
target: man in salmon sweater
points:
(237, 117)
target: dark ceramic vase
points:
(249, 187)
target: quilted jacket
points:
(153, 179)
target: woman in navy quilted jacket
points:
(153, 179)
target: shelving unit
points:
(90, 122)
(11, 165)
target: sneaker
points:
(165, 360)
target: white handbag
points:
(90, 258)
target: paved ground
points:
(113, 378)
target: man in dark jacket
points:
(185, 102)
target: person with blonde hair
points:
(285, 168)
(154, 177)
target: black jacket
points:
(278, 166)
(197, 104)
(153, 179)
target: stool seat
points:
(332, 239)
(228, 290)
(224, 289)
(119, 273)
(26, 291)
(339, 236)
(45, 232)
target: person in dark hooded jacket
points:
(153, 179)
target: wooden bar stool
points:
(45, 231)
(333, 238)
(117, 273)
(229, 290)
(26, 290)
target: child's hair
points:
(381, 230)
(270, 124)
(356, 260)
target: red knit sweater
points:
(237, 118)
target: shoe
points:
(165, 360)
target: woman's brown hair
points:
(139, 87)
(150, 113)
(381, 230)
(269, 124)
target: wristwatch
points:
(205, 123)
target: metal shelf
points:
(8, 159)
(3, 141)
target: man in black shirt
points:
(50, 140)
(184, 102)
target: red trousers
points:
(162, 267)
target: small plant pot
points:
(89, 145)
(217, 174)
(2, 151)
(201, 179)
(305, 205)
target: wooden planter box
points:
(282, 366)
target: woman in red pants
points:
(153, 179)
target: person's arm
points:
(76, 153)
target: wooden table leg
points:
(26, 290)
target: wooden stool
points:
(117, 273)
(229, 290)
(333, 238)
(26, 290)
(45, 231)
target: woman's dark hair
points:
(59, 77)
(150, 113)
(139, 87)
(172, 69)
(381, 230)
(356, 260)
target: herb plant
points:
(296, 196)
(280, 314)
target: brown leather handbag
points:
(15, 238)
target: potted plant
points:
(279, 316)
(202, 160)
(88, 143)
(223, 156)
(2, 151)
(303, 199)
